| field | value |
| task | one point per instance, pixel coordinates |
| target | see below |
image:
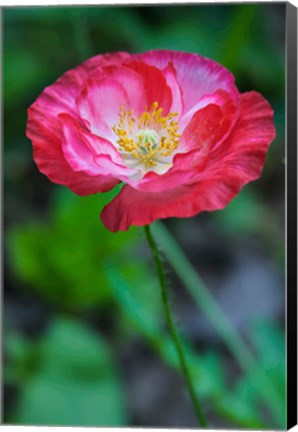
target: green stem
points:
(172, 329)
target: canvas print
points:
(144, 161)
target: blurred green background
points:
(84, 338)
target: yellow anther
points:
(148, 137)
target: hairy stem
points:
(172, 329)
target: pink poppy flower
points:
(172, 126)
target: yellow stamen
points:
(149, 137)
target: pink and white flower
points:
(172, 126)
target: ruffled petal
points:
(76, 150)
(60, 96)
(196, 75)
(131, 81)
(48, 155)
(109, 167)
(245, 149)
(91, 154)
(44, 129)
(206, 129)
(229, 106)
(156, 87)
(132, 207)
(83, 185)
(169, 73)
(153, 182)
(103, 60)
(99, 103)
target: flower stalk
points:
(172, 329)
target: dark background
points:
(84, 338)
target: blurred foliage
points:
(241, 405)
(73, 379)
(65, 259)
(58, 252)
(247, 214)
(109, 276)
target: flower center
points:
(148, 141)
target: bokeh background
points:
(84, 336)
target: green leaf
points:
(269, 342)
(64, 261)
(241, 406)
(208, 374)
(20, 357)
(240, 412)
(77, 383)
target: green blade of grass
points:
(217, 318)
